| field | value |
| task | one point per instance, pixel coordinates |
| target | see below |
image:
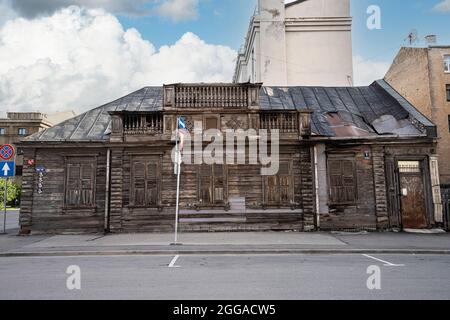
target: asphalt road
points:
(12, 220)
(227, 277)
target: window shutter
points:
(80, 182)
(87, 177)
(152, 185)
(139, 184)
(73, 185)
(205, 183)
(218, 184)
(348, 179)
(342, 181)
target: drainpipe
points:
(107, 195)
(316, 187)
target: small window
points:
(2, 131)
(447, 63)
(447, 88)
(448, 123)
(22, 131)
(409, 167)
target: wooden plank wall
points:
(363, 214)
(243, 181)
(46, 212)
(26, 201)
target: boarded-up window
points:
(211, 123)
(211, 184)
(278, 188)
(80, 182)
(342, 181)
(145, 183)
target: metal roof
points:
(338, 112)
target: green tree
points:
(14, 191)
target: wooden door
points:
(412, 195)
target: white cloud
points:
(78, 59)
(179, 10)
(443, 6)
(367, 71)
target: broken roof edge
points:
(430, 127)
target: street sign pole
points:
(6, 197)
(178, 164)
(7, 166)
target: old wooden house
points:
(349, 158)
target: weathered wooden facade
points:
(349, 158)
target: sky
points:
(60, 55)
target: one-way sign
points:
(7, 169)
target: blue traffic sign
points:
(7, 169)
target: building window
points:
(447, 88)
(211, 184)
(80, 182)
(342, 181)
(22, 132)
(2, 131)
(278, 188)
(448, 123)
(447, 63)
(145, 182)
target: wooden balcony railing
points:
(211, 96)
(285, 123)
(136, 124)
(197, 96)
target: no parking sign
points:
(6, 152)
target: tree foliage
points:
(13, 196)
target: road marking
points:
(172, 263)
(386, 263)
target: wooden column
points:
(379, 177)
(116, 199)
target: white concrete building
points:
(301, 43)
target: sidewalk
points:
(224, 243)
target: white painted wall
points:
(306, 43)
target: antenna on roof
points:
(412, 37)
(431, 39)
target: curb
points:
(224, 252)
